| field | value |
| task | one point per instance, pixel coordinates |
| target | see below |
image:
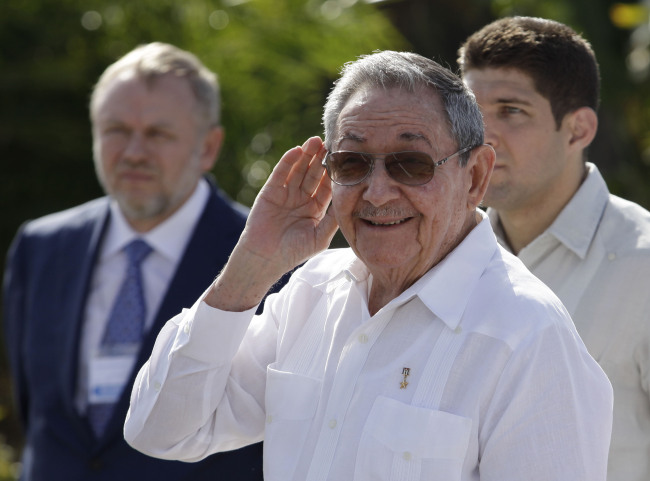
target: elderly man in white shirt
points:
(425, 351)
(553, 210)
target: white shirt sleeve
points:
(550, 416)
(186, 402)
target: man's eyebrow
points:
(163, 124)
(409, 136)
(415, 136)
(352, 137)
(512, 100)
(108, 119)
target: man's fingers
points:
(322, 193)
(282, 170)
(312, 145)
(314, 175)
(303, 170)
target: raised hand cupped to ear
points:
(289, 222)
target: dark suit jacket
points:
(46, 282)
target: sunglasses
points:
(409, 168)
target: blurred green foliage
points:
(276, 60)
(9, 466)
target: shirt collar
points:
(497, 228)
(169, 238)
(348, 266)
(576, 225)
(446, 288)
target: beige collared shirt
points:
(596, 258)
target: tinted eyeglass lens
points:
(348, 168)
(410, 168)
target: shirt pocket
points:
(401, 442)
(291, 402)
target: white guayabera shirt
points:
(596, 258)
(475, 372)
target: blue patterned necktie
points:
(125, 323)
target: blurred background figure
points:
(53, 52)
(86, 290)
(537, 83)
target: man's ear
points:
(480, 165)
(583, 124)
(211, 147)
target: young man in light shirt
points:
(537, 83)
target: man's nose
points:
(136, 148)
(380, 188)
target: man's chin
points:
(139, 210)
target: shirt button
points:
(611, 256)
(458, 330)
(407, 456)
(157, 386)
(269, 419)
(186, 329)
(363, 338)
(332, 423)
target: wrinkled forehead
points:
(379, 114)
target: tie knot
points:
(136, 251)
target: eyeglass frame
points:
(372, 163)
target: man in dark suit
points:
(81, 315)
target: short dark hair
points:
(560, 62)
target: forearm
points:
(244, 281)
(181, 406)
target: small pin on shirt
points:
(405, 373)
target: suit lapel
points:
(83, 246)
(207, 251)
(214, 237)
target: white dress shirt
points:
(596, 258)
(168, 241)
(499, 385)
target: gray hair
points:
(408, 71)
(156, 59)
